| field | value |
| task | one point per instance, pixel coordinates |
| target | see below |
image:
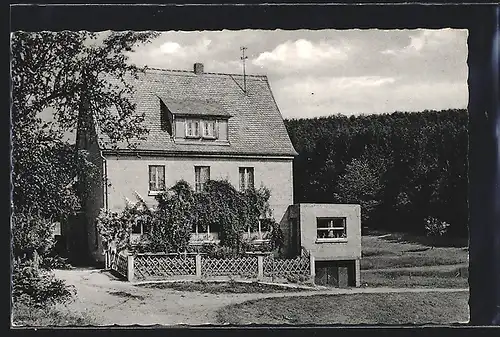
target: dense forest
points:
(401, 167)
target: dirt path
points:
(112, 301)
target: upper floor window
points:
(331, 228)
(204, 129)
(156, 178)
(208, 129)
(192, 128)
(201, 176)
(246, 178)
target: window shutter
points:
(242, 178)
(250, 177)
(180, 128)
(223, 130)
(152, 178)
(161, 178)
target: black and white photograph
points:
(237, 177)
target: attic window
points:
(192, 129)
(208, 129)
(203, 129)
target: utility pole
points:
(243, 58)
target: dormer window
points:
(192, 128)
(201, 129)
(197, 120)
(208, 129)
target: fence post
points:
(312, 267)
(106, 260)
(260, 266)
(198, 265)
(130, 268)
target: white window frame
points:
(192, 122)
(246, 176)
(332, 228)
(157, 189)
(259, 232)
(204, 128)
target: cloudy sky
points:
(325, 72)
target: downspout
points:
(105, 177)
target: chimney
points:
(198, 68)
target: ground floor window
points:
(262, 231)
(204, 233)
(201, 176)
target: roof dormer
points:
(197, 121)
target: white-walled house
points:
(201, 126)
(205, 126)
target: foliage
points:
(37, 287)
(115, 228)
(361, 184)
(31, 233)
(435, 227)
(26, 315)
(62, 81)
(401, 167)
(219, 207)
(217, 251)
(171, 229)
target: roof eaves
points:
(281, 116)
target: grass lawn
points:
(394, 251)
(28, 316)
(222, 287)
(393, 308)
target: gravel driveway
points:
(111, 301)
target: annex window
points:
(246, 178)
(209, 130)
(201, 176)
(156, 178)
(192, 129)
(331, 228)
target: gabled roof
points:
(255, 125)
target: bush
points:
(31, 233)
(27, 315)
(435, 227)
(35, 286)
(218, 252)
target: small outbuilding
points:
(332, 234)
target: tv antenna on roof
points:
(243, 58)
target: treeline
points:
(401, 167)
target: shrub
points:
(31, 233)
(37, 287)
(218, 252)
(435, 227)
(171, 228)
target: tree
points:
(361, 184)
(80, 77)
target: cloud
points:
(171, 54)
(300, 55)
(314, 73)
(427, 40)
